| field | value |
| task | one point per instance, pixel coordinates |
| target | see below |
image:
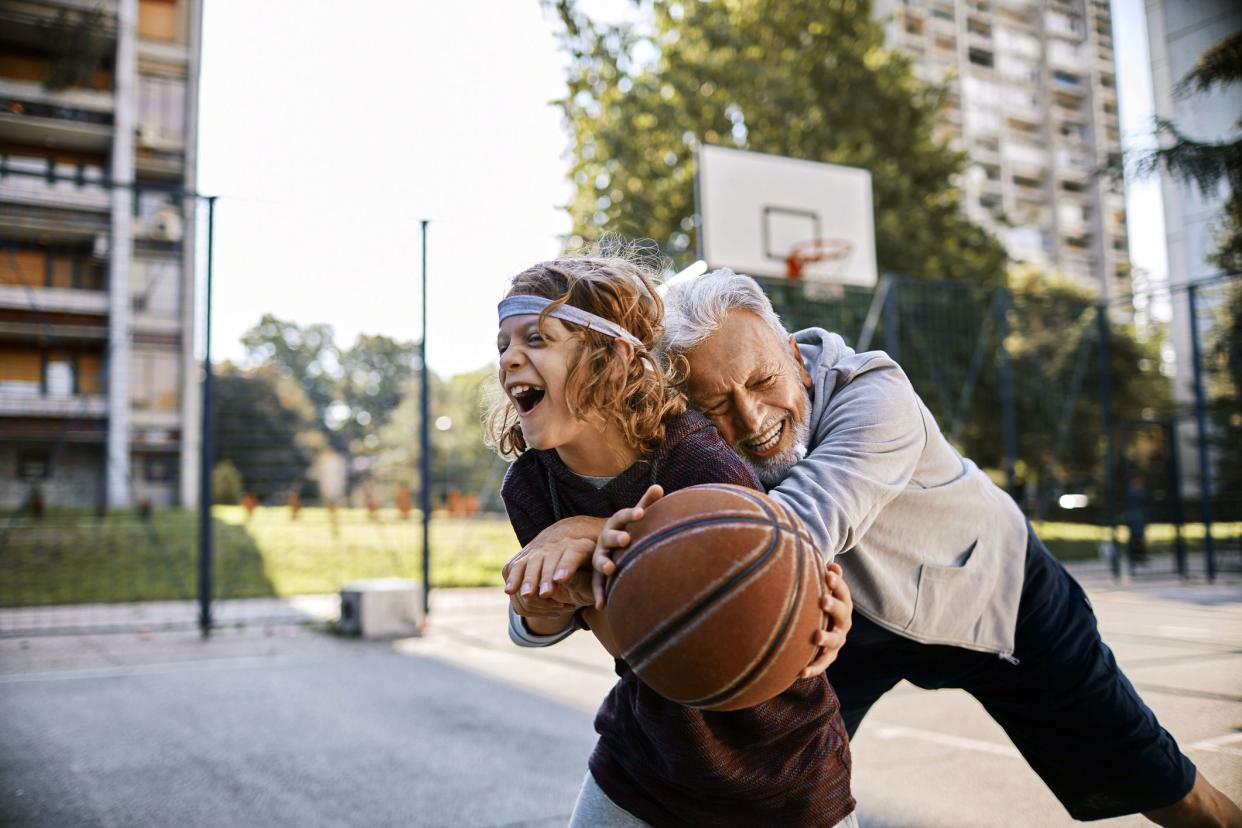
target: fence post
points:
(425, 439)
(1007, 399)
(1106, 414)
(207, 449)
(1205, 470)
(892, 342)
(1175, 491)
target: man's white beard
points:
(772, 470)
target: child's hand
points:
(839, 607)
(549, 561)
(614, 537)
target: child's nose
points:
(511, 358)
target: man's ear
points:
(803, 374)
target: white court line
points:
(1217, 745)
(978, 745)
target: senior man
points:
(951, 586)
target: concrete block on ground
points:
(382, 608)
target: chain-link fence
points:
(1090, 415)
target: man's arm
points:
(867, 444)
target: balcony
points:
(60, 328)
(17, 400)
(28, 23)
(1025, 158)
(53, 300)
(26, 180)
(70, 119)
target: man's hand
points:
(839, 607)
(613, 537)
(549, 562)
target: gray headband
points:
(533, 305)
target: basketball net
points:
(826, 283)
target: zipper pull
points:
(1008, 657)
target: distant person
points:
(597, 428)
(1137, 516)
(952, 586)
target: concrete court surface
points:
(286, 726)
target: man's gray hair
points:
(695, 307)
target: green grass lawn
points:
(74, 557)
(1081, 541)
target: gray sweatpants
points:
(595, 810)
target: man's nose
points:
(749, 414)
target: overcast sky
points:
(330, 130)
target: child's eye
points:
(534, 339)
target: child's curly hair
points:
(603, 382)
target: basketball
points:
(715, 602)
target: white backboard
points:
(754, 208)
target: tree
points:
(459, 459)
(1207, 164)
(353, 392)
(260, 424)
(803, 78)
(308, 355)
(374, 375)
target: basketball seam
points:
(634, 552)
(655, 546)
(760, 663)
(659, 639)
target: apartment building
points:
(99, 401)
(1033, 100)
(1178, 33)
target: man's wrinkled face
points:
(754, 388)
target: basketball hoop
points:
(824, 284)
(804, 253)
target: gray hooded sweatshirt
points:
(931, 548)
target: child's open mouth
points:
(526, 397)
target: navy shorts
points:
(1066, 705)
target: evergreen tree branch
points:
(1222, 64)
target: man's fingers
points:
(818, 666)
(601, 561)
(597, 589)
(614, 539)
(832, 640)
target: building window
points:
(158, 469)
(59, 377)
(155, 380)
(161, 110)
(21, 372)
(980, 58)
(156, 287)
(33, 465)
(157, 19)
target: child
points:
(594, 424)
